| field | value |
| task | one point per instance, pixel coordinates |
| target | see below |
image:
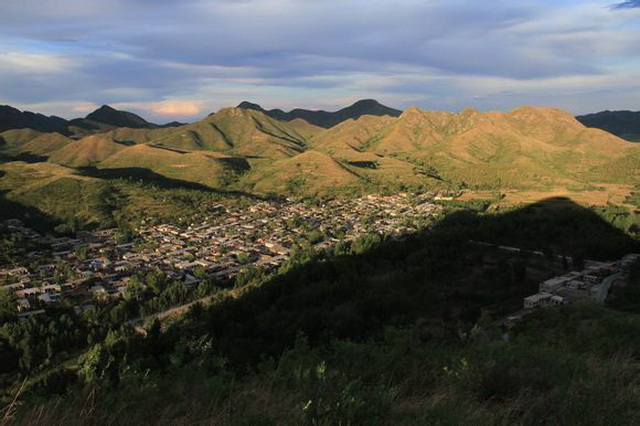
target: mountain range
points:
(327, 119)
(372, 148)
(102, 119)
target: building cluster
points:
(76, 271)
(593, 282)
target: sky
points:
(182, 59)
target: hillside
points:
(309, 173)
(85, 152)
(31, 142)
(395, 331)
(526, 147)
(625, 124)
(232, 130)
(105, 119)
(48, 195)
(327, 119)
(195, 167)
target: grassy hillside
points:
(232, 130)
(200, 167)
(47, 195)
(31, 142)
(85, 152)
(525, 148)
(308, 173)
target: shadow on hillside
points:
(437, 279)
(148, 176)
(27, 157)
(29, 215)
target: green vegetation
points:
(377, 331)
(55, 197)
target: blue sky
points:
(170, 59)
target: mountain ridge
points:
(622, 123)
(327, 119)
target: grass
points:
(553, 368)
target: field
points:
(602, 195)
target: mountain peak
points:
(111, 116)
(249, 105)
(367, 103)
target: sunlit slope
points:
(206, 168)
(232, 130)
(86, 152)
(527, 147)
(310, 173)
(29, 141)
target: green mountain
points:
(625, 124)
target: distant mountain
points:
(107, 115)
(248, 149)
(625, 124)
(12, 118)
(327, 119)
(104, 119)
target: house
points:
(558, 300)
(49, 297)
(16, 272)
(537, 300)
(556, 283)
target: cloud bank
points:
(173, 59)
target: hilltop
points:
(625, 124)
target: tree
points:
(8, 309)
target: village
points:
(95, 266)
(591, 283)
